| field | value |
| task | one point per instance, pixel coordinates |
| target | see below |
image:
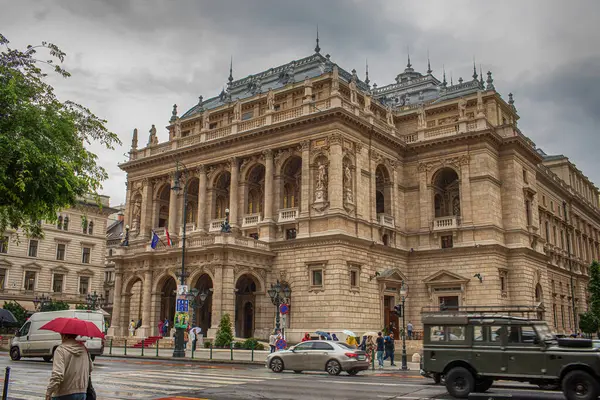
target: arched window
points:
(379, 202)
(91, 228)
(291, 174)
(289, 195)
(84, 225)
(221, 193)
(446, 197)
(383, 190)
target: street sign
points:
(281, 344)
(284, 309)
(183, 305)
(182, 290)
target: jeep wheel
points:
(15, 354)
(579, 385)
(482, 385)
(460, 382)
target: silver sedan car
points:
(319, 355)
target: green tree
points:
(45, 165)
(589, 322)
(224, 335)
(17, 310)
(56, 306)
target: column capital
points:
(201, 169)
(268, 153)
(335, 138)
(305, 145)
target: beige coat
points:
(71, 369)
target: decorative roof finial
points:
(451, 79)
(200, 99)
(134, 140)
(367, 72)
(444, 83)
(174, 113)
(511, 102)
(490, 82)
(230, 79)
(429, 71)
(317, 48)
(474, 70)
(409, 65)
(480, 77)
(460, 80)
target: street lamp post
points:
(275, 293)
(41, 302)
(193, 296)
(403, 294)
(225, 227)
(94, 301)
(179, 351)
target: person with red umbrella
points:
(71, 365)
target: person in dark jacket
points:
(380, 349)
(389, 348)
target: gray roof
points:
(411, 87)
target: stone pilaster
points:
(268, 211)
(115, 323)
(425, 197)
(145, 330)
(172, 210)
(466, 209)
(335, 178)
(305, 189)
(201, 199)
(233, 193)
(147, 207)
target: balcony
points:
(159, 231)
(215, 225)
(251, 220)
(386, 220)
(189, 227)
(288, 215)
(446, 223)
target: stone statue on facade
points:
(205, 121)
(353, 91)
(335, 79)
(480, 106)
(389, 116)
(347, 183)
(237, 111)
(367, 103)
(321, 176)
(270, 100)
(462, 108)
(422, 119)
(321, 203)
(177, 129)
(134, 140)
(153, 139)
(137, 214)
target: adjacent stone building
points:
(342, 191)
(66, 265)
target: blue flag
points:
(155, 240)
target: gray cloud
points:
(131, 60)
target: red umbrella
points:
(73, 326)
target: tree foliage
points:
(589, 321)
(44, 163)
(17, 310)
(224, 335)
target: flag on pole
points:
(168, 238)
(155, 240)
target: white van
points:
(31, 341)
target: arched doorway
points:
(167, 301)
(132, 304)
(192, 197)
(246, 288)
(204, 314)
(446, 198)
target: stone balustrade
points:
(215, 224)
(288, 215)
(386, 220)
(251, 220)
(446, 223)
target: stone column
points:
(425, 198)
(233, 193)
(115, 323)
(146, 216)
(305, 181)
(201, 199)
(172, 210)
(217, 302)
(268, 211)
(145, 330)
(335, 173)
(466, 209)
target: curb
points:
(185, 360)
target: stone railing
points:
(160, 148)
(441, 131)
(218, 133)
(386, 220)
(288, 215)
(215, 225)
(284, 115)
(159, 231)
(201, 241)
(251, 220)
(446, 223)
(251, 124)
(189, 227)
(189, 140)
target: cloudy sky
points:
(132, 60)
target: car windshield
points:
(544, 332)
(344, 345)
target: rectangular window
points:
(290, 234)
(552, 205)
(353, 279)
(436, 334)
(29, 280)
(84, 284)
(554, 235)
(33, 248)
(528, 334)
(544, 200)
(317, 277)
(4, 244)
(456, 333)
(478, 333)
(447, 242)
(57, 284)
(528, 212)
(277, 107)
(525, 176)
(85, 256)
(60, 251)
(495, 333)
(562, 315)
(247, 115)
(555, 315)
(212, 125)
(2, 278)
(570, 317)
(502, 283)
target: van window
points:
(25, 329)
(436, 334)
(495, 333)
(478, 333)
(456, 333)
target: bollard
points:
(210, 358)
(110, 348)
(157, 348)
(6, 379)
(231, 350)
(252, 352)
(373, 359)
(192, 351)
(143, 347)
(125, 346)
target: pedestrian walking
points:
(334, 337)
(306, 337)
(193, 339)
(273, 341)
(132, 328)
(166, 328)
(351, 341)
(71, 369)
(380, 349)
(186, 338)
(390, 348)
(409, 330)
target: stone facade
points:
(342, 192)
(66, 265)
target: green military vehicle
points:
(471, 347)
